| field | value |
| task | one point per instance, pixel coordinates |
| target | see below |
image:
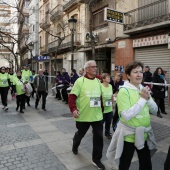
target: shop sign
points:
(111, 15)
(41, 58)
(151, 41)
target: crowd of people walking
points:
(99, 101)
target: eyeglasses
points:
(92, 67)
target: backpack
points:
(28, 89)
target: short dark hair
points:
(73, 70)
(133, 65)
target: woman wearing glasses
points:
(4, 87)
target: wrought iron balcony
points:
(54, 45)
(43, 50)
(45, 22)
(70, 4)
(56, 13)
(66, 43)
(149, 17)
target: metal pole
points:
(72, 49)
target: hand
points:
(76, 114)
(162, 89)
(71, 85)
(145, 93)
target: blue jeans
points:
(107, 118)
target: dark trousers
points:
(97, 137)
(12, 90)
(161, 105)
(38, 96)
(107, 118)
(33, 90)
(127, 155)
(115, 118)
(58, 95)
(4, 94)
(20, 101)
(27, 99)
(167, 161)
(64, 93)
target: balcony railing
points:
(43, 50)
(66, 43)
(70, 4)
(153, 13)
(56, 12)
(53, 45)
(45, 22)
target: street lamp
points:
(31, 47)
(72, 25)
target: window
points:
(98, 19)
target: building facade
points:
(55, 35)
(147, 24)
(23, 31)
(34, 33)
(6, 57)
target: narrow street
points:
(38, 140)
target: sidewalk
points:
(38, 140)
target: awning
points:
(113, 45)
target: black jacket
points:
(158, 91)
(147, 76)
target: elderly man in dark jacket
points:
(66, 82)
(41, 87)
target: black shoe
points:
(36, 106)
(21, 111)
(63, 100)
(28, 104)
(98, 164)
(159, 115)
(59, 99)
(44, 110)
(164, 113)
(75, 151)
(66, 102)
(108, 136)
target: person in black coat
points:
(159, 91)
(147, 76)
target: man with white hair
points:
(81, 72)
(85, 105)
(41, 87)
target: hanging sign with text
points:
(150, 41)
(111, 15)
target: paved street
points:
(38, 140)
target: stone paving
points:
(38, 140)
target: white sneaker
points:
(6, 108)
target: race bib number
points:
(95, 102)
(108, 102)
(4, 82)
